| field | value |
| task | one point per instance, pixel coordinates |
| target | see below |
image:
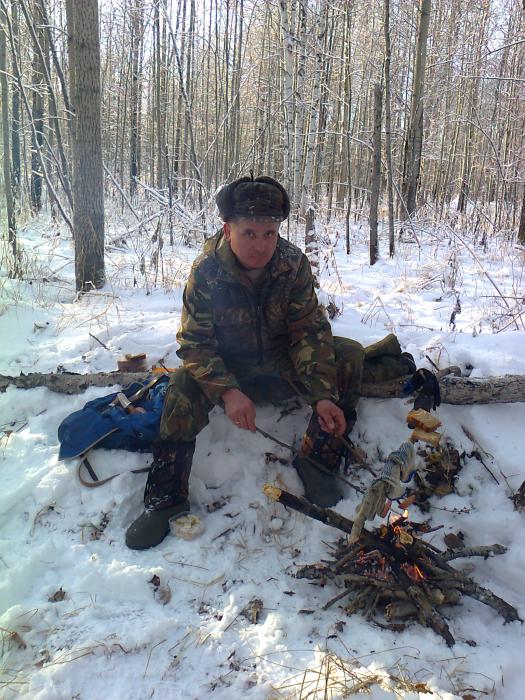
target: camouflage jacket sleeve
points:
(311, 342)
(198, 345)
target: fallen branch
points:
(480, 453)
(454, 390)
(474, 552)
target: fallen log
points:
(509, 388)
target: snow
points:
(111, 636)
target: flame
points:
(414, 572)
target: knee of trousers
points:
(186, 408)
(349, 353)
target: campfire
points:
(391, 574)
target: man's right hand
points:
(239, 409)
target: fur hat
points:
(259, 198)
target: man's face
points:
(253, 241)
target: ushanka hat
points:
(249, 198)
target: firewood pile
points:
(391, 575)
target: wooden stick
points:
(339, 596)
(484, 551)
(427, 614)
(474, 590)
(324, 515)
(480, 451)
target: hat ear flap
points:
(275, 183)
(224, 198)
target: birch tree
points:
(11, 224)
(288, 95)
(388, 130)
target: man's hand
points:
(239, 409)
(331, 417)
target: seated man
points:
(251, 326)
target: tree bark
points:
(509, 388)
(37, 110)
(4, 90)
(521, 230)
(137, 30)
(388, 133)
(288, 96)
(15, 108)
(88, 176)
(414, 141)
(315, 109)
(300, 107)
(376, 176)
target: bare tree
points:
(376, 175)
(414, 136)
(388, 131)
(11, 224)
(88, 183)
(137, 31)
(521, 230)
(288, 96)
(37, 110)
(15, 106)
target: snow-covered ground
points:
(111, 635)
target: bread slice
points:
(423, 420)
(431, 438)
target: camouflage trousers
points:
(186, 407)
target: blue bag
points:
(101, 423)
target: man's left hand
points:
(331, 417)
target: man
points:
(252, 328)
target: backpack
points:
(104, 422)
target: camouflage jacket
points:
(232, 328)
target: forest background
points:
(411, 109)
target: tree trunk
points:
(306, 194)
(300, 108)
(136, 41)
(11, 224)
(15, 109)
(388, 134)
(376, 176)
(288, 96)
(347, 120)
(37, 110)
(88, 178)
(521, 230)
(414, 139)
(311, 244)
(509, 388)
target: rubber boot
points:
(166, 493)
(321, 486)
